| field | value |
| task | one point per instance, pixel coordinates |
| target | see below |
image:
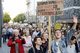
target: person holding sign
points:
(16, 43)
(59, 44)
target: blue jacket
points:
(63, 43)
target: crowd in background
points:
(31, 39)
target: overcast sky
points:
(14, 7)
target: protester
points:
(39, 32)
(36, 46)
(4, 30)
(9, 31)
(35, 33)
(72, 46)
(16, 43)
(45, 42)
(78, 41)
(59, 45)
(28, 40)
(21, 31)
(77, 35)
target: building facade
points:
(71, 7)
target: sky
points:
(15, 7)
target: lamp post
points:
(28, 8)
(1, 21)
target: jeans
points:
(4, 38)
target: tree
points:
(6, 18)
(20, 17)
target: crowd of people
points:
(35, 40)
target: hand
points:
(49, 51)
(22, 37)
(75, 20)
(16, 38)
(14, 42)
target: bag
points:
(35, 51)
(23, 41)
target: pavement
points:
(4, 48)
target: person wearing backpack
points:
(36, 46)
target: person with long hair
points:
(28, 40)
(45, 42)
(36, 46)
(72, 46)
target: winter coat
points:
(20, 45)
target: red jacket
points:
(20, 45)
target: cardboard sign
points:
(50, 8)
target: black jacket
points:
(34, 50)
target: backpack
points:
(34, 49)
